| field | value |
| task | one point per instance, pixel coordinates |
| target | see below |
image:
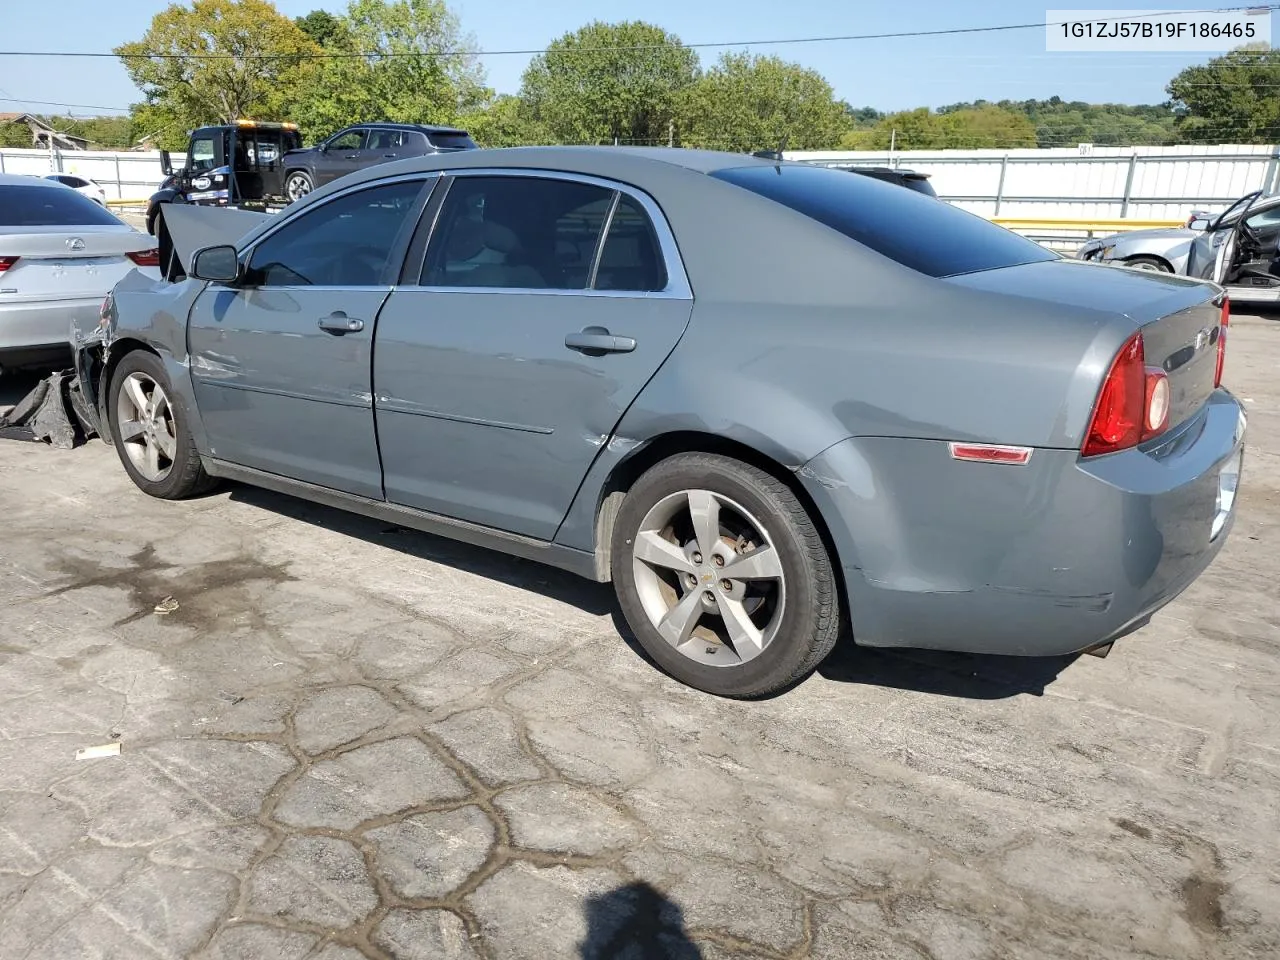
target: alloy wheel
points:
(709, 578)
(297, 187)
(145, 427)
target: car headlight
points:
(1105, 252)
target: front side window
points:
(516, 233)
(1267, 219)
(344, 243)
(202, 153)
(351, 140)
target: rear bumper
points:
(1046, 559)
(45, 323)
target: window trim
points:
(428, 182)
(677, 288)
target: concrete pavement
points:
(349, 740)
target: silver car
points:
(60, 255)
(768, 401)
(1236, 248)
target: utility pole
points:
(893, 142)
(671, 133)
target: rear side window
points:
(631, 258)
(43, 206)
(919, 232)
(452, 141)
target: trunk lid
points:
(66, 263)
(1178, 316)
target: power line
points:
(905, 34)
(55, 103)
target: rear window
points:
(919, 232)
(50, 207)
(453, 141)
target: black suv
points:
(363, 145)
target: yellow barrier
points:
(1040, 224)
(126, 203)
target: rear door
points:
(281, 362)
(505, 364)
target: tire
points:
(297, 185)
(788, 594)
(178, 472)
(1153, 264)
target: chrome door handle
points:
(339, 323)
(598, 340)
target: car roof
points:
(634, 165)
(389, 125)
(27, 180)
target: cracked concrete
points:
(351, 741)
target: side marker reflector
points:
(990, 453)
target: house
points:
(42, 133)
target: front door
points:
(340, 156)
(282, 361)
(501, 375)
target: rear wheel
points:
(297, 185)
(150, 432)
(1154, 264)
(723, 577)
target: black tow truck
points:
(236, 165)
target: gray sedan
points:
(770, 402)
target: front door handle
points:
(388, 156)
(339, 323)
(352, 156)
(597, 340)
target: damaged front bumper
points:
(64, 408)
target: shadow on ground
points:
(636, 922)
(965, 676)
(15, 386)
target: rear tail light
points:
(1222, 342)
(146, 258)
(1133, 404)
(6, 263)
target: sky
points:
(893, 74)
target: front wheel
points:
(149, 428)
(723, 577)
(1152, 264)
(297, 185)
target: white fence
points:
(124, 176)
(1100, 183)
(1139, 183)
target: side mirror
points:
(219, 264)
(166, 164)
(1198, 224)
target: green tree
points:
(503, 123)
(1230, 99)
(609, 81)
(747, 102)
(406, 60)
(982, 126)
(321, 26)
(15, 134)
(216, 61)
